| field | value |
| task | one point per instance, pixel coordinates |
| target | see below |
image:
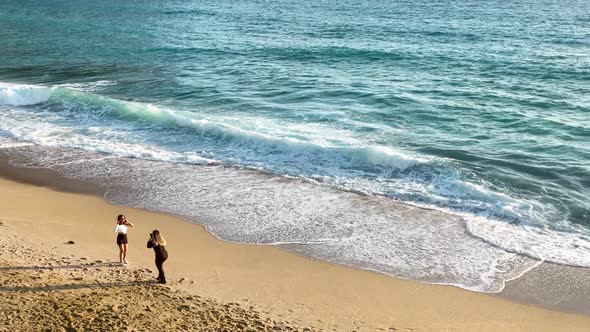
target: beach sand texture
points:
(47, 284)
(44, 291)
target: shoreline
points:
(415, 246)
(282, 282)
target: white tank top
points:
(121, 229)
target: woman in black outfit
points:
(157, 242)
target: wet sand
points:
(561, 287)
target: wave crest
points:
(246, 142)
(22, 95)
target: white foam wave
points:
(388, 157)
(51, 135)
(87, 86)
(8, 143)
(17, 94)
(541, 243)
(264, 136)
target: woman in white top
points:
(121, 230)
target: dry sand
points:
(45, 291)
(46, 284)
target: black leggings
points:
(159, 262)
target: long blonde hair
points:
(158, 238)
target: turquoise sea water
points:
(307, 123)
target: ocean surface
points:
(441, 141)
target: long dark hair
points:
(119, 218)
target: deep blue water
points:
(305, 123)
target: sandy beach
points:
(45, 291)
(48, 284)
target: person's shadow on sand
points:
(77, 286)
(55, 267)
(95, 285)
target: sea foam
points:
(17, 94)
(248, 143)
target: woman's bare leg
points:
(125, 253)
(121, 252)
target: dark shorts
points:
(122, 239)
